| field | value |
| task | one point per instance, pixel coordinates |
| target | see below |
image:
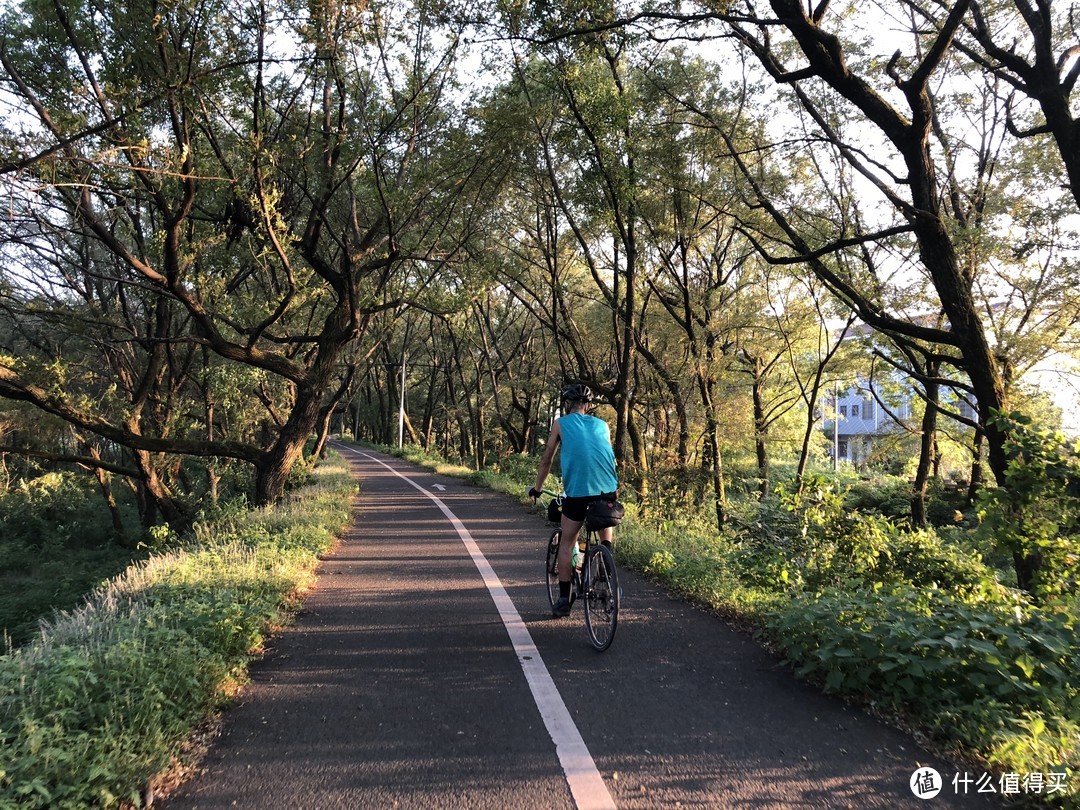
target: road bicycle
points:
(594, 581)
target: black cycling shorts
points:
(574, 508)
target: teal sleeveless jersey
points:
(588, 464)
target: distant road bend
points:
(425, 671)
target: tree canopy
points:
(229, 225)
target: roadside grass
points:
(56, 544)
(913, 625)
(103, 700)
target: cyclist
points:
(588, 474)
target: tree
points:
(588, 155)
(266, 204)
(876, 119)
(1032, 48)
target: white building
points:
(863, 422)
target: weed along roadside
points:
(103, 702)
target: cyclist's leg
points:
(573, 516)
(607, 536)
(570, 530)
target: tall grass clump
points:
(104, 698)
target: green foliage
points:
(516, 468)
(824, 542)
(102, 701)
(690, 559)
(976, 671)
(887, 496)
(923, 558)
(1035, 514)
(36, 581)
(815, 540)
(56, 545)
(54, 507)
(946, 503)
(673, 489)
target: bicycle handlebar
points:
(529, 493)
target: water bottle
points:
(576, 558)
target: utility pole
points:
(356, 421)
(836, 427)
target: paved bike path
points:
(398, 686)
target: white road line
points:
(586, 785)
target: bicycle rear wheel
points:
(551, 567)
(601, 597)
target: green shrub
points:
(948, 507)
(55, 507)
(977, 673)
(56, 544)
(483, 478)
(36, 582)
(1035, 515)
(822, 542)
(693, 564)
(813, 540)
(924, 559)
(888, 496)
(516, 467)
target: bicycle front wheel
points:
(601, 597)
(551, 567)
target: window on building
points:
(855, 411)
(868, 408)
(843, 410)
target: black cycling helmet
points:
(577, 392)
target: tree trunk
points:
(157, 500)
(808, 433)
(928, 442)
(761, 430)
(1027, 567)
(427, 424)
(110, 500)
(717, 463)
(272, 470)
(322, 433)
(714, 460)
(975, 478)
(641, 459)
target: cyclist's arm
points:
(549, 455)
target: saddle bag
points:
(603, 514)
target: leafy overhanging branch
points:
(68, 458)
(12, 386)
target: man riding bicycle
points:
(588, 474)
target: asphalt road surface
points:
(425, 671)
